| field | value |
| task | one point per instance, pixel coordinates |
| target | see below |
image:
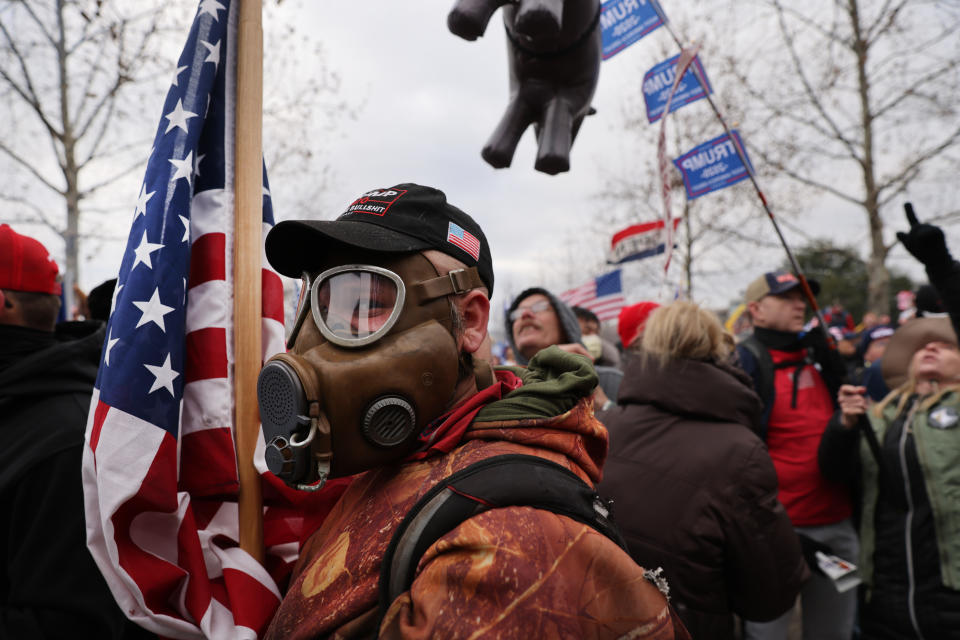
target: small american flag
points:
(603, 295)
(159, 469)
(462, 238)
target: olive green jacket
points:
(939, 452)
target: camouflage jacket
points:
(515, 572)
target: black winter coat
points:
(695, 492)
(899, 584)
(49, 584)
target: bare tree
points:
(71, 77)
(80, 86)
(303, 109)
(857, 100)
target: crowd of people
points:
(679, 482)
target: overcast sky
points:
(429, 101)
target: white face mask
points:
(594, 345)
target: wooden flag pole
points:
(248, 240)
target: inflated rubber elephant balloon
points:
(554, 52)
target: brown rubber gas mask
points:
(373, 360)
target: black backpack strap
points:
(762, 376)
(501, 481)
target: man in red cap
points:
(49, 585)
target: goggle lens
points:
(353, 305)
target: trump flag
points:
(714, 165)
(160, 469)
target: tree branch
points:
(886, 19)
(29, 167)
(28, 93)
(43, 29)
(37, 211)
(912, 90)
(108, 181)
(810, 182)
(812, 97)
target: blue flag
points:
(658, 81)
(712, 165)
(623, 22)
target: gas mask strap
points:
(303, 309)
(454, 283)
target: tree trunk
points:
(878, 282)
(71, 236)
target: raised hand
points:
(925, 242)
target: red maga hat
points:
(25, 264)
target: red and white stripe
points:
(163, 523)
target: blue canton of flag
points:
(159, 469)
(460, 237)
(603, 295)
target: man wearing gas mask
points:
(444, 530)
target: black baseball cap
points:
(398, 219)
(774, 283)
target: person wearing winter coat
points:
(694, 490)
(904, 455)
(49, 584)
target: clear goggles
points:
(352, 305)
(356, 304)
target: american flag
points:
(159, 470)
(603, 295)
(462, 238)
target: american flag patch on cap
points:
(458, 236)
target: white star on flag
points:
(153, 310)
(113, 302)
(143, 251)
(214, 50)
(111, 341)
(184, 168)
(178, 118)
(211, 7)
(165, 463)
(186, 228)
(142, 201)
(176, 76)
(165, 376)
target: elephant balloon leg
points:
(468, 18)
